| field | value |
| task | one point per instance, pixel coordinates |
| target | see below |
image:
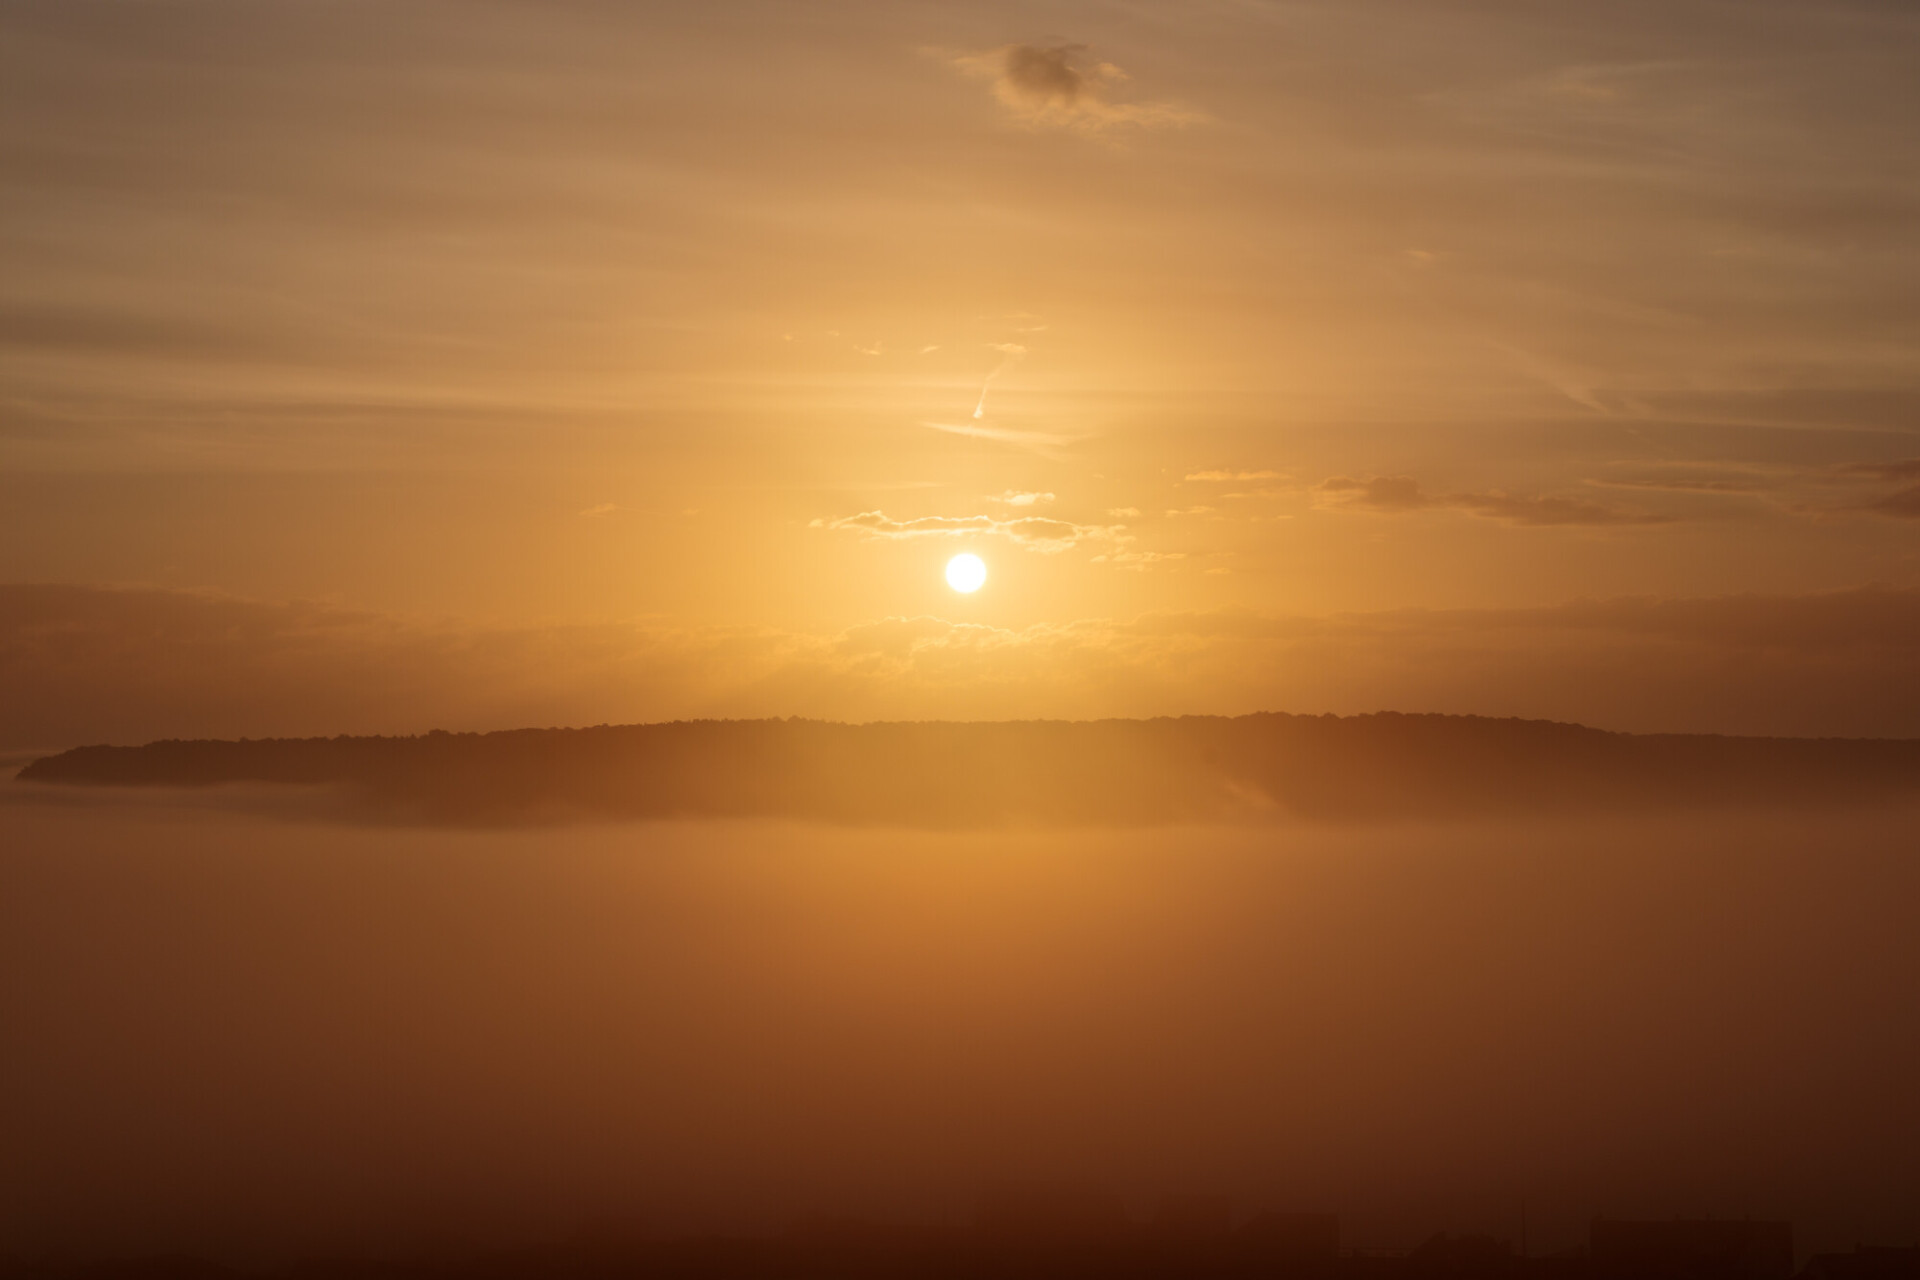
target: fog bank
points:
(262, 1037)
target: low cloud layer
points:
(93, 665)
(1682, 484)
(1900, 469)
(1399, 495)
(1903, 503)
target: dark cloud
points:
(1061, 86)
(1547, 511)
(1045, 76)
(1684, 484)
(1378, 493)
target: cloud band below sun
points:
(98, 665)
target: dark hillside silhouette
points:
(943, 774)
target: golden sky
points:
(710, 332)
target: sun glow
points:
(966, 573)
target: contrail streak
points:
(1011, 353)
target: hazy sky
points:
(694, 323)
(375, 367)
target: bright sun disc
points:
(966, 572)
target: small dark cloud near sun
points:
(1045, 75)
(1063, 86)
(1399, 495)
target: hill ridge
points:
(985, 773)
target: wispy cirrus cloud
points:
(1034, 533)
(1048, 444)
(1899, 469)
(1902, 503)
(1549, 510)
(1221, 476)
(1061, 87)
(1682, 484)
(1126, 558)
(1401, 495)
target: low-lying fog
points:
(258, 1036)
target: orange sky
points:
(502, 319)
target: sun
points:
(966, 572)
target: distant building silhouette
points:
(1049, 1214)
(1194, 1218)
(1291, 1244)
(1446, 1257)
(1866, 1262)
(1691, 1249)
